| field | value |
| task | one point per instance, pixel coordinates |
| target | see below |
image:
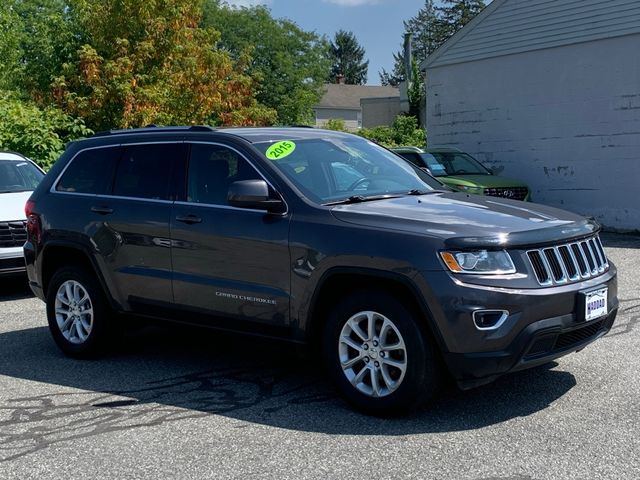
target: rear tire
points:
(78, 313)
(378, 354)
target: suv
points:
(462, 172)
(318, 237)
(19, 176)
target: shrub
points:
(336, 124)
(40, 134)
(404, 132)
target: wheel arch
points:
(58, 254)
(339, 282)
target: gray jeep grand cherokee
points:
(317, 237)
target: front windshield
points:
(18, 176)
(332, 169)
(442, 164)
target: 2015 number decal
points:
(280, 150)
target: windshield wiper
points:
(360, 199)
(416, 191)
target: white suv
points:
(19, 176)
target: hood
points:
(12, 205)
(487, 181)
(469, 221)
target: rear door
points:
(132, 223)
(227, 261)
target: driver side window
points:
(212, 169)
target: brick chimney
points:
(340, 79)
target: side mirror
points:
(253, 194)
(426, 170)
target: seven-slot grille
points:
(569, 262)
(514, 193)
(13, 234)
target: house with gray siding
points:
(344, 102)
(547, 91)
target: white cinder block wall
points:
(566, 120)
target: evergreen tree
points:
(425, 29)
(430, 28)
(416, 90)
(455, 14)
(395, 76)
(348, 59)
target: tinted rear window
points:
(144, 171)
(90, 171)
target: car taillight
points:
(33, 221)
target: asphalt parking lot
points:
(193, 404)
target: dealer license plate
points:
(595, 304)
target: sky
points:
(377, 24)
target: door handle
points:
(189, 219)
(102, 210)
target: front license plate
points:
(595, 304)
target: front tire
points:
(378, 354)
(77, 313)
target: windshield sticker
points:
(280, 150)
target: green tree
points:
(50, 38)
(151, 62)
(38, 36)
(348, 59)
(288, 63)
(10, 36)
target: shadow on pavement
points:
(620, 240)
(14, 287)
(163, 375)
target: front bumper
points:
(539, 343)
(11, 261)
(543, 324)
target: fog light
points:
(489, 319)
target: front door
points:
(228, 262)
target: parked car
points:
(19, 176)
(462, 172)
(321, 238)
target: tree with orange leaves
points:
(151, 63)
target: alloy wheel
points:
(372, 354)
(74, 312)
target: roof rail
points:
(155, 129)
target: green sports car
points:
(461, 171)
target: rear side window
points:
(145, 171)
(90, 171)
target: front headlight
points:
(479, 262)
